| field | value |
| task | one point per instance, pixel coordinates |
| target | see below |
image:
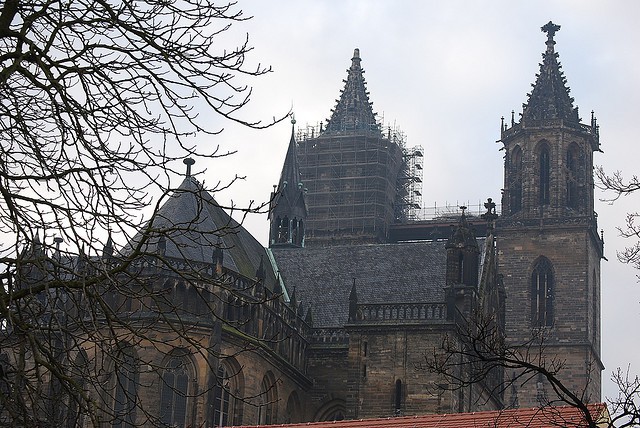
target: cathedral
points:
(338, 316)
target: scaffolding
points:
(409, 195)
(352, 179)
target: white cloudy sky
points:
(445, 72)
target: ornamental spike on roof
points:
(353, 111)
(290, 198)
(550, 98)
(290, 175)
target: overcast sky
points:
(444, 73)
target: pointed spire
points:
(288, 210)
(37, 247)
(162, 245)
(218, 257)
(290, 178)
(353, 296)
(463, 235)
(353, 111)
(81, 266)
(277, 289)
(353, 302)
(309, 317)
(550, 98)
(260, 272)
(293, 302)
(107, 250)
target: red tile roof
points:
(546, 417)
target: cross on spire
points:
(551, 29)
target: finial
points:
(261, 274)
(107, 250)
(550, 28)
(293, 118)
(353, 296)
(353, 302)
(162, 245)
(188, 162)
(58, 240)
(490, 215)
(355, 61)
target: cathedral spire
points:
(288, 208)
(290, 175)
(353, 111)
(550, 98)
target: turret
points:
(549, 153)
(462, 254)
(549, 246)
(288, 213)
(462, 268)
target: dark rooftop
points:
(384, 273)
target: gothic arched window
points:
(461, 267)
(268, 400)
(176, 375)
(222, 401)
(283, 234)
(398, 397)
(573, 175)
(79, 370)
(125, 389)
(515, 188)
(293, 409)
(545, 175)
(542, 293)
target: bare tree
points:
(477, 353)
(97, 101)
(621, 187)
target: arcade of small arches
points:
(288, 231)
(575, 168)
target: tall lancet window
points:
(125, 376)
(573, 176)
(268, 400)
(545, 175)
(542, 293)
(222, 394)
(176, 376)
(515, 185)
(398, 398)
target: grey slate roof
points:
(384, 273)
(196, 225)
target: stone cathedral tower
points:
(548, 240)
